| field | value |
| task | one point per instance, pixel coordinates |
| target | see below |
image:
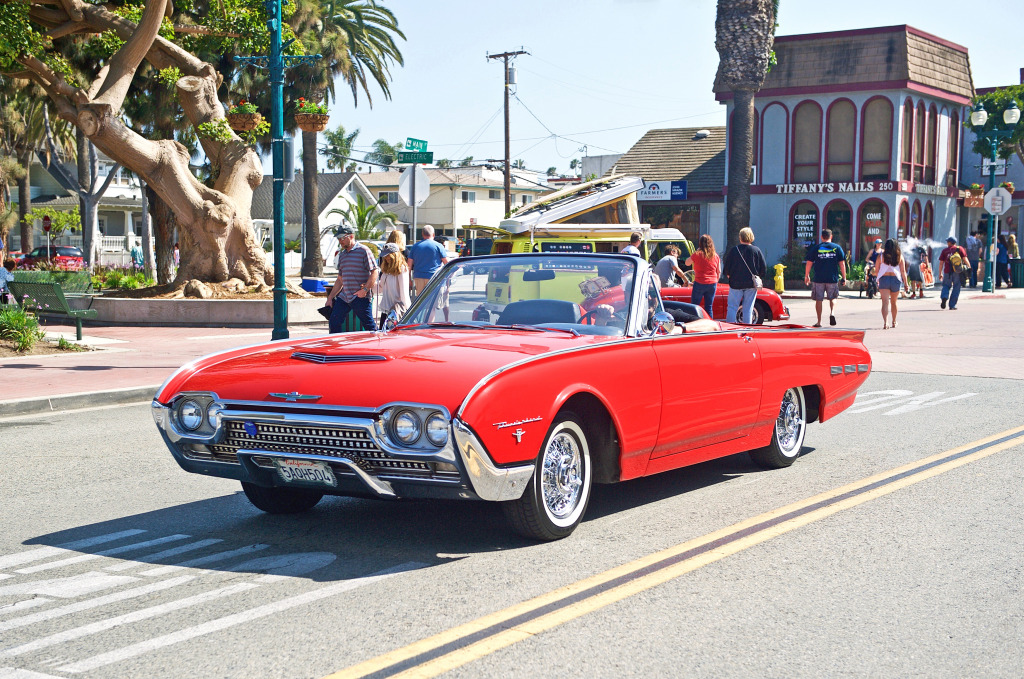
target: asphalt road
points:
(919, 574)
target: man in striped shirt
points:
(357, 274)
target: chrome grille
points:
(297, 439)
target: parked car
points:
(60, 256)
(435, 407)
(768, 305)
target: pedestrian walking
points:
(973, 247)
(1002, 262)
(425, 258)
(1011, 245)
(393, 284)
(953, 261)
(6, 276)
(913, 261)
(357, 275)
(634, 245)
(829, 263)
(892, 275)
(667, 268)
(745, 268)
(870, 263)
(707, 269)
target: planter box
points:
(238, 313)
(311, 122)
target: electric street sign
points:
(415, 156)
(997, 201)
(414, 176)
(415, 144)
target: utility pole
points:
(505, 56)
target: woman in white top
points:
(891, 273)
(394, 284)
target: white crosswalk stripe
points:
(99, 555)
(47, 552)
(157, 556)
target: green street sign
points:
(415, 144)
(415, 156)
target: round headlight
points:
(407, 426)
(190, 415)
(437, 429)
(213, 412)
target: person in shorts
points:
(829, 262)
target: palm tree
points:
(363, 218)
(444, 163)
(744, 33)
(357, 41)
(339, 147)
(384, 152)
(552, 171)
(519, 164)
(466, 162)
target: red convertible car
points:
(768, 305)
(528, 404)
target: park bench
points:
(71, 282)
(48, 298)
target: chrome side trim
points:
(382, 488)
(836, 370)
(489, 481)
(862, 367)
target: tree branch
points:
(53, 80)
(126, 60)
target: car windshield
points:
(580, 294)
(69, 252)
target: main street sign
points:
(415, 144)
(415, 156)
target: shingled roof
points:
(679, 153)
(328, 186)
(890, 57)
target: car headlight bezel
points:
(436, 429)
(414, 426)
(189, 412)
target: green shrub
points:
(113, 279)
(20, 327)
(793, 259)
(65, 345)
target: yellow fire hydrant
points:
(780, 286)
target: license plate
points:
(306, 471)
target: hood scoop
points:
(313, 357)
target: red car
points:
(60, 256)
(767, 307)
(528, 402)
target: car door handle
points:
(745, 337)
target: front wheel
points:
(281, 500)
(788, 435)
(557, 495)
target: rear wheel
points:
(557, 496)
(758, 315)
(788, 435)
(281, 500)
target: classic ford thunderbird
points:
(527, 403)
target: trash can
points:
(1017, 272)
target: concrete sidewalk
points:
(984, 337)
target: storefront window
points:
(926, 225)
(876, 134)
(901, 223)
(842, 121)
(805, 223)
(807, 142)
(915, 221)
(686, 218)
(907, 142)
(873, 221)
(838, 219)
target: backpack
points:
(956, 260)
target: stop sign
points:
(46, 223)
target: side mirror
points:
(391, 321)
(662, 323)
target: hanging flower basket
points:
(311, 122)
(976, 191)
(243, 122)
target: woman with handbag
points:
(745, 267)
(707, 266)
(394, 284)
(892, 275)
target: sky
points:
(601, 73)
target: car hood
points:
(367, 370)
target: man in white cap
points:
(357, 274)
(952, 262)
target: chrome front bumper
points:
(351, 445)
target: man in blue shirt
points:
(829, 262)
(425, 258)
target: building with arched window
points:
(858, 131)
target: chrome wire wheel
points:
(561, 481)
(790, 425)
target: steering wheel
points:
(590, 318)
(687, 277)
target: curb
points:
(89, 399)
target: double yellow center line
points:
(463, 644)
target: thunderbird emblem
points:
(295, 396)
(250, 428)
(518, 433)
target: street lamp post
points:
(276, 62)
(992, 138)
